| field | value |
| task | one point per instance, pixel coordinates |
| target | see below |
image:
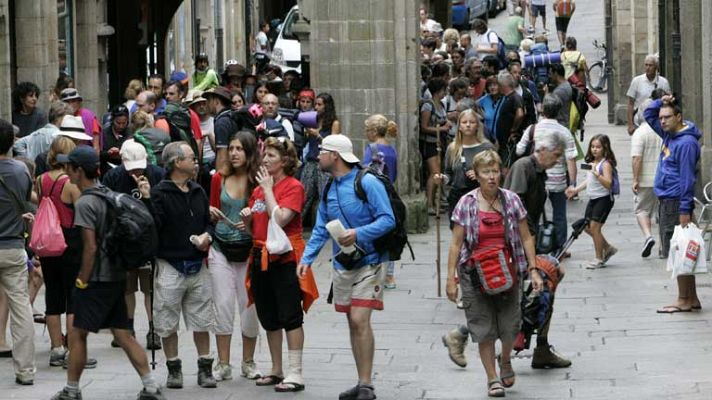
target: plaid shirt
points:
(466, 214)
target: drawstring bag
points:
(47, 237)
(277, 241)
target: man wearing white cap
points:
(121, 179)
(358, 276)
(71, 127)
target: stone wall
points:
(5, 78)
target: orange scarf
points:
(307, 284)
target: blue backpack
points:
(501, 52)
(616, 184)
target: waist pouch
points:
(186, 267)
(493, 270)
(235, 251)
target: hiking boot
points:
(222, 372)
(205, 373)
(65, 394)
(648, 246)
(144, 395)
(456, 342)
(250, 371)
(546, 357)
(153, 341)
(175, 374)
(57, 356)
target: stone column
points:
(622, 60)
(5, 46)
(36, 48)
(365, 54)
(705, 123)
(86, 56)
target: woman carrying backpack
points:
(385, 159)
(60, 272)
(601, 185)
(229, 192)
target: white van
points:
(287, 51)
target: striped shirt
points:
(555, 176)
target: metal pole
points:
(612, 80)
(437, 217)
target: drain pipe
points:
(676, 50)
(612, 79)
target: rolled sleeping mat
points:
(542, 60)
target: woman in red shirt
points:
(273, 280)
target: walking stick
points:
(152, 332)
(437, 214)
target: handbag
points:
(493, 270)
(235, 251)
(546, 241)
(277, 241)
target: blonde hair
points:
(454, 150)
(382, 125)
(451, 34)
(140, 120)
(134, 87)
(286, 149)
(485, 159)
(60, 145)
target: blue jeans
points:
(558, 204)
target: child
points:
(385, 158)
(599, 183)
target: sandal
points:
(285, 387)
(506, 373)
(494, 388)
(269, 380)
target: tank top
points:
(491, 230)
(231, 208)
(53, 189)
(594, 188)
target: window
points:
(65, 24)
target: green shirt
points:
(205, 80)
(511, 35)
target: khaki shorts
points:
(360, 287)
(646, 202)
(175, 293)
(140, 276)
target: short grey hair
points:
(653, 58)
(172, 153)
(57, 110)
(550, 143)
(551, 106)
(505, 79)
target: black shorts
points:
(59, 275)
(598, 209)
(101, 305)
(428, 150)
(539, 10)
(278, 298)
(562, 24)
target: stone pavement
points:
(605, 321)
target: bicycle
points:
(599, 72)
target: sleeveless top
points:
(594, 188)
(231, 208)
(53, 189)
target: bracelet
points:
(81, 285)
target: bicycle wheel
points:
(597, 78)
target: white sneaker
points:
(56, 356)
(250, 371)
(222, 372)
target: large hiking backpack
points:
(130, 237)
(393, 242)
(578, 100)
(540, 73)
(154, 140)
(178, 118)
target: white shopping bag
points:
(679, 261)
(277, 240)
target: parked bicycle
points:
(598, 72)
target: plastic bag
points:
(687, 255)
(277, 240)
(47, 237)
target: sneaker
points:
(595, 264)
(57, 357)
(350, 394)
(25, 378)
(460, 305)
(205, 373)
(456, 343)
(64, 394)
(90, 364)
(547, 357)
(608, 253)
(144, 395)
(250, 371)
(648, 246)
(366, 392)
(222, 372)
(153, 342)
(175, 374)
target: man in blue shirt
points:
(359, 275)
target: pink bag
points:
(47, 237)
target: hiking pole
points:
(437, 214)
(152, 331)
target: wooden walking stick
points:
(437, 213)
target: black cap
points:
(82, 156)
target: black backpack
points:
(394, 241)
(130, 237)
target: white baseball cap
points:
(133, 155)
(340, 144)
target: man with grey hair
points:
(40, 140)
(527, 178)
(270, 105)
(642, 86)
(182, 282)
(563, 172)
(511, 115)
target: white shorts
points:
(175, 293)
(228, 280)
(360, 287)
(646, 203)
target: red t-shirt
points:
(289, 194)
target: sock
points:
(58, 348)
(205, 357)
(542, 342)
(72, 387)
(173, 358)
(149, 383)
(463, 330)
(295, 362)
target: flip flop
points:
(672, 310)
(269, 380)
(285, 387)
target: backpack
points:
(47, 238)
(540, 73)
(501, 52)
(615, 184)
(178, 118)
(578, 100)
(565, 9)
(394, 241)
(378, 159)
(154, 140)
(130, 237)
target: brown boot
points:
(456, 342)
